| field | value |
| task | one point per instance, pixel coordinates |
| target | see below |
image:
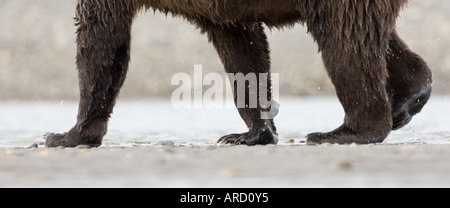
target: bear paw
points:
(410, 108)
(344, 135)
(67, 140)
(263, 136)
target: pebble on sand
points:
(342, 164)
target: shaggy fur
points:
(379, 81)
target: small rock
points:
(290, 141)
(167, 143)
(44, 153)
(342, 164)
(230, 172)
(139, 144)
(33, 146)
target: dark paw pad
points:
(410, 108)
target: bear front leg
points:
(245, 54)
(103, 40)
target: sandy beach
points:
(229, 166)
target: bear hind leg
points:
(359, 73)
(409, 82)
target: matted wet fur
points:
(380, 82)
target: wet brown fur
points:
(357, 39)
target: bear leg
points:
(409, 82)
(103, 40)
(357, 67)
(245, 51)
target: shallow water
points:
(147, 122)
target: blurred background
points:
(37, 51)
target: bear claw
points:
(264, 136)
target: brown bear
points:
(380, 82)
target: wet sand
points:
(292, 165)
(151, 144)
